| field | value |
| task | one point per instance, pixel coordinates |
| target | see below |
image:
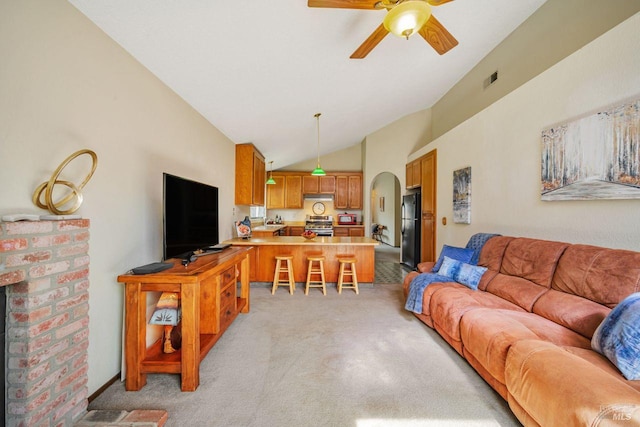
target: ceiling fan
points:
(404, 18)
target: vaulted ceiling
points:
(260, 70)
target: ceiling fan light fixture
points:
(407, 18)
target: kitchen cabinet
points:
(413, 174)
(286, 193)
(348, 231)
(250, 176)
(275, 193)
(293, 192)
(318, 184)
(428, 215)
(348, 192)
(290, 187)
(269, 231)
(295, 230)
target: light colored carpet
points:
(335, 360)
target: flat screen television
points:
(190, 216)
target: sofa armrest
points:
(552, 386)
(425, 267)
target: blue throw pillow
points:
(458, 254)
(449, 267)
(469, 275)
(618, 337)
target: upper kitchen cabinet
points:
(293, 192)
(413, 174)
(250, 176)
(318, 184)
(275, 193)
(348, 191)
(286, 193)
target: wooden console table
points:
(209, 304)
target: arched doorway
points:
(385, 207)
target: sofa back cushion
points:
(493, 252)
(606, 276)
(532, 259)
(588, 282)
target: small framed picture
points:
(382, 204)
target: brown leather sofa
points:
(527, 329)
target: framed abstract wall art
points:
(594, 157)
(462, 196)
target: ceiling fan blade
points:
(437, 36)
(437, 2)
(371, 42)
(343, 4)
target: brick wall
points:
(47, 265)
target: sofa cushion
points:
(554, 387)
(532, 259)
(460, 254)
(517, 290)
(488, 334)
(618, 337)
(602, 275)
(448, 305)
(493, 252)
(599, 361)
(576, 313)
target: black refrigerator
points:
(411, 230)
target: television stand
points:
(209, 303)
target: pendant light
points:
(271, 181)
(318, 171)
(407, 18)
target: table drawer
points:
(228, 296)
(227, 314)
(229, 275)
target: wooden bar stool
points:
(287, 269)
(318, 271)
(347, 268)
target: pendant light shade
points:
(407, 18)
(271, 181)
(318, 171)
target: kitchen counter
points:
(266, 248)
(299, 240)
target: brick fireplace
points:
(45, 268)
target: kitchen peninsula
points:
(266, 248)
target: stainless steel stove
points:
(322, 225)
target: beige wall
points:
(387, 150)
(347, 160)
(65, 86)
(557, 29)
(502, 146)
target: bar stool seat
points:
(318, 270)
(347, 269)
(287, 270)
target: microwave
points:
(346, 218)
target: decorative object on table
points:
(309, 235)
(55, 207)
(593, 157)
(462, 196)
(243, 228)
(167, 313)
